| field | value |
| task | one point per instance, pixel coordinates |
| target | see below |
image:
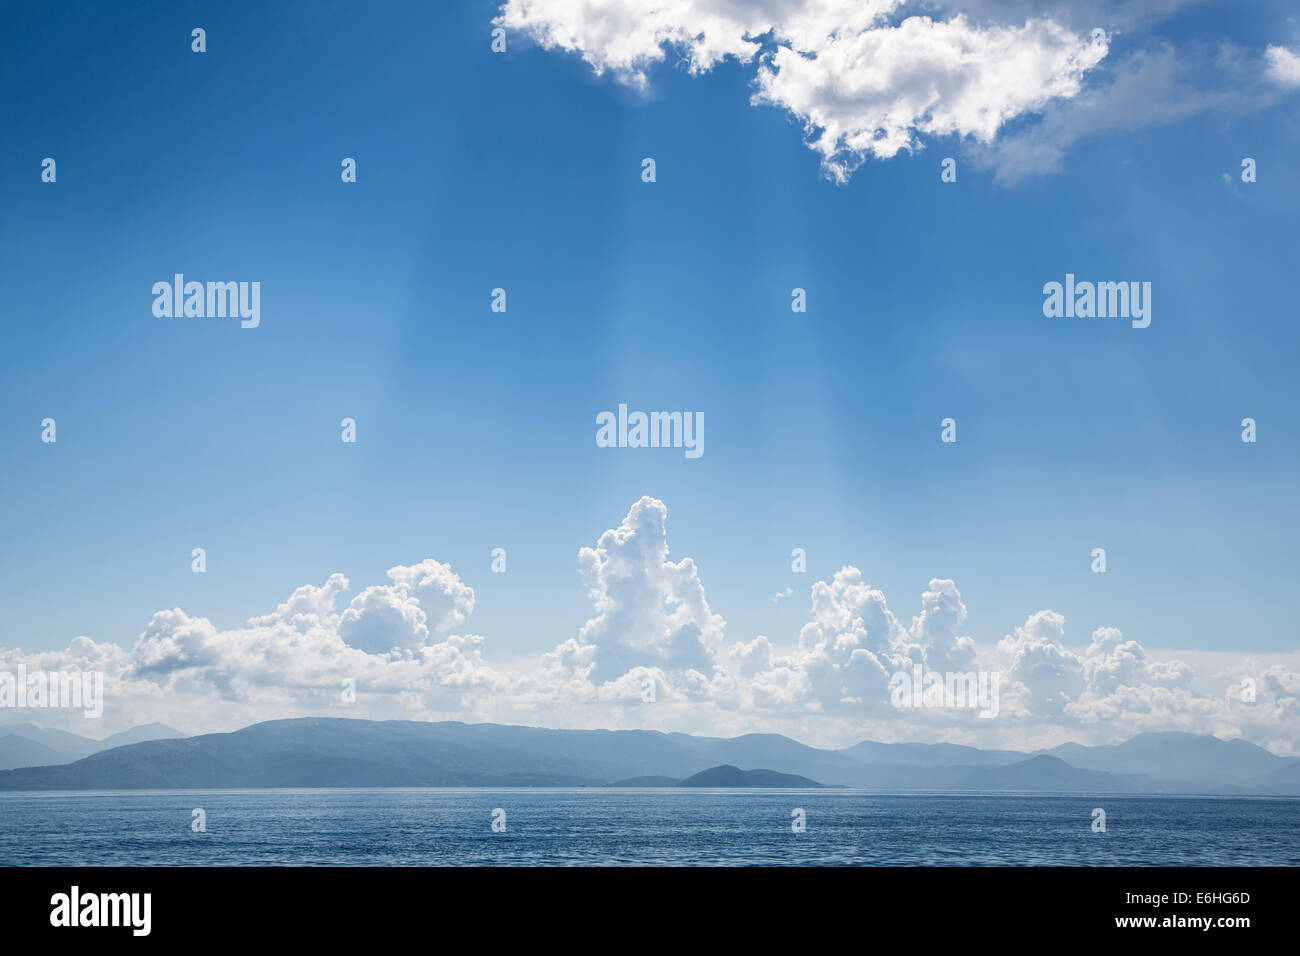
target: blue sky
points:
(475, 429)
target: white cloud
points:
(1283, 66)
(652, 611)
(299, 655)
(752, 658)
(860, 84)
(879, 91)
(384, 617)
(936, 628)
(626, 38)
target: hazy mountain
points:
(1180, 758)
(930, 755)
(16, 751)
(316, 752)
(1052, 774)
(1284, 780)
(334, 752)
(57, 740)
(136, 734)
(26, 745)
(729, 776)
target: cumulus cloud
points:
(845, 654)
(1047, 676)
(863, 77)
(384, 617)
(303, 653)
(881, 90)
(652, 627)
(936, 628)
(748, 659)
(652, 611)
(1108, 683)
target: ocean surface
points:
(639, 827)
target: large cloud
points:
(868, 78)
(303, 653)
(652, 611)
(626, 37)
(863, 78)
(852, 647)
(384, 617)
(879, 91)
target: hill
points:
(729, 776)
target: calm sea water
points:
(638, 827)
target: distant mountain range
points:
(334, 752)
(26, 745)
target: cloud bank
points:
(395, 651)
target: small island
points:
(726, 775)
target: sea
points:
(630, 827)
